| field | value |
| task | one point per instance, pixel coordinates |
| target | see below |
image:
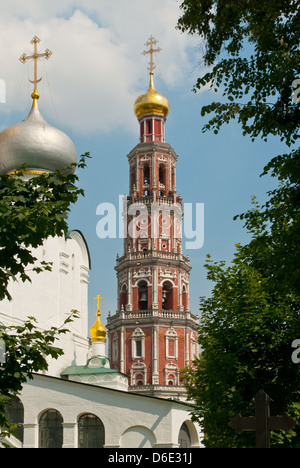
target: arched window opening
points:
(138, 350)
(184, 439)
(123, 296)
(184, 297)
(146, 174)
(51, 429)
(133, 180)
(149, 126)
(167, 296)
(90, 431)
(143, 295)
(161, 180)
(15, 414)
(146, 180)
(138, 344)
(139, 379)
(161, 174)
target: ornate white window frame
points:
(138, 372)
(138, 336)
(171, 373)
(171, 336)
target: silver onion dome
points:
(38, 145)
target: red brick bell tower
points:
(153, 333)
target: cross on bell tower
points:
(151, 43)
(153, 333)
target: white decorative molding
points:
(171, 374)
(145, 158)
(171, 337)
(138, 344)
(142, 273)
(115, 348)
(138, 374)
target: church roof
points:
(34, 143)
(80, 370)
(37, 145)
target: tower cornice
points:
(148, 317)
(150, 147)
(155, 257)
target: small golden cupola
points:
(98, 330)
(151, 102)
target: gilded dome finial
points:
(98, 330)
(151, 102)
(150, 43)
(35, 56)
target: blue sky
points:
(88, 90)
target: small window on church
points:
(15, 414)
(90, 432)
(167, 296)
(184, 438)
(138, 344)
(138, 348)
(161, 173)
(51, 429)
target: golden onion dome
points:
(151, 102)
(98, 330)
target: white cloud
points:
(96, 70)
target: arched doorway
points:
(184, 438)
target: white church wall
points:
(129, 420)
(51, 296)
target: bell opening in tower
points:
(161, 180)
(167, 296)
(143, 295)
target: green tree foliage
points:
(252, 51)
(275, 228)
(246, 334)
(27, 351)
(248, 324)
(30, 211)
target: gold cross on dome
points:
(35, 56)
(98, 302)
(151, 43)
